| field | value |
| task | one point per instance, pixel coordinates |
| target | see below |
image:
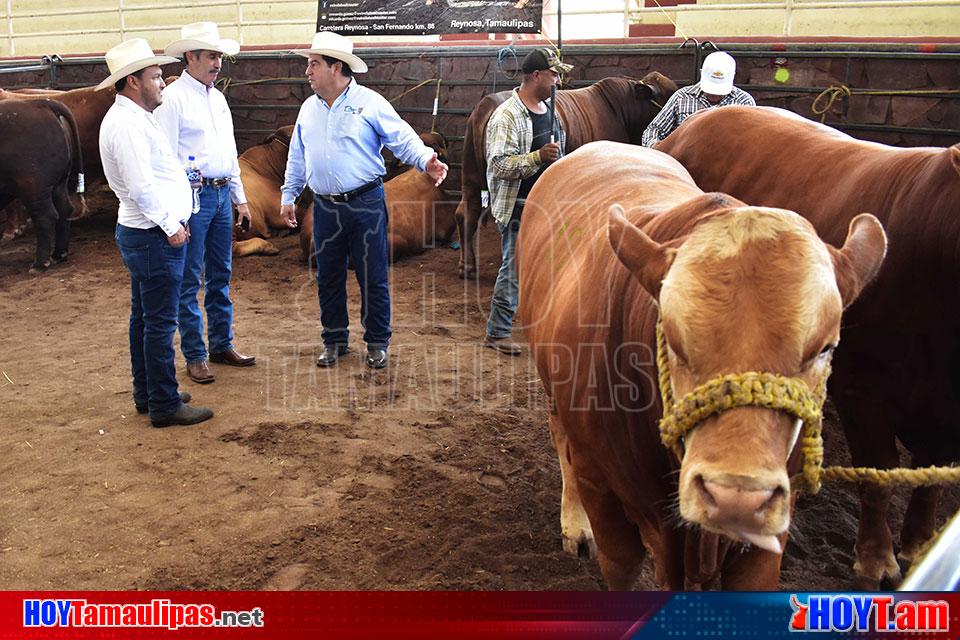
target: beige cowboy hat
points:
(204, 36)
(328, 43)
(129, 57)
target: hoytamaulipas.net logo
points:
(158, 612)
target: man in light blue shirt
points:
(335, 151)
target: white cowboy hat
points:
(328, 43)
(203, 36)
(129, 57)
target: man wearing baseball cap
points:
(715, 89)
(521, 143)
(152, 232)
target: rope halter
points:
(750, 389)
(773, 391)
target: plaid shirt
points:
(683, 104)
(509, 159)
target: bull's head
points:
(748, 290)
(655, 87)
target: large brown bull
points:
(737, 289)
(40, 159)
(616, 109)
(896, 375)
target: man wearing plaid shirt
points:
(715, 89)
(520, 145)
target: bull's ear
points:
(859, 260)
(644, 90)
(955, 157)
(646, 259)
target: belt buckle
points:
(339, 197)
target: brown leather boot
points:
(232, 358)
(200, 372)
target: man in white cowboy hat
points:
(152, 231)
(521, 142)
(715, 89)
(335, 151)
(198, 123)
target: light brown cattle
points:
(262, 167)
(420, 215)
(896, 376)
(262, 170)
(737, 288)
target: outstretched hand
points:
(436, 169)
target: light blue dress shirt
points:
(336, 149)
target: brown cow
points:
(616, 109)
(897, 374)
(419, 216)
(39, 169)
(262, 170)
(738, 289)
(262, 167)
(88, 108)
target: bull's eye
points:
(827, 350)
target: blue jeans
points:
(506, 289)
(354, 231)
(209, 261)
(156, 271)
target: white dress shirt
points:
(198, 123)
(141, 169)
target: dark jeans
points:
(156, 271)
(354, 231)
(208, 263)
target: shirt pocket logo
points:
(349, 122)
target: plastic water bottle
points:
(196, 181)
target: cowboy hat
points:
(202, 36)
(129, 57)
(334, 45)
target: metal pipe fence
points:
(20, 24)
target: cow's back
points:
(36, 163)
(88, 107)
(419, 213)
(473, 171)
(565, 236)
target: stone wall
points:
(913, 94)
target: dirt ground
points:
(436, 473)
